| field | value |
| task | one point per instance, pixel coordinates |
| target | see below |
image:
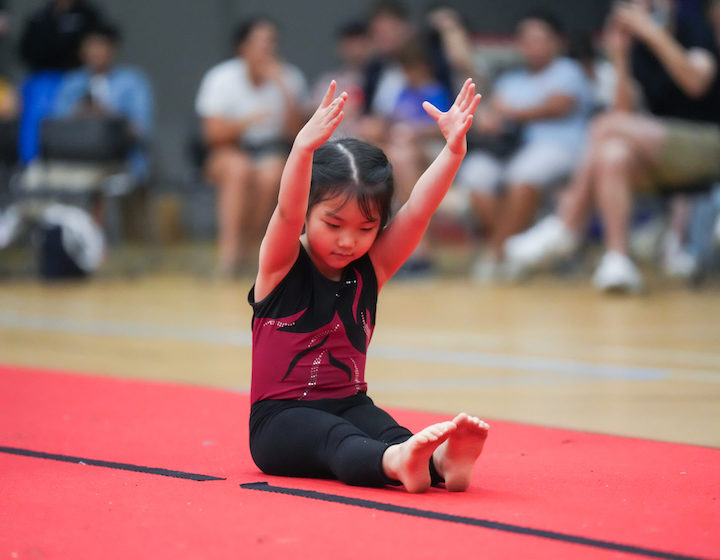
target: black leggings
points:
(327, 438)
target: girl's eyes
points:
(337, 226)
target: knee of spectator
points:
(613, 152)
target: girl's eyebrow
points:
(333, 215)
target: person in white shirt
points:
(250, 107)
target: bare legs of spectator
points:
(622, 146)
(265, 187)
(486, 208)
(406, 151)
(515, 213)
(230, 170)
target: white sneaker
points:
(676, 261)
(617, 273)
(546, 242)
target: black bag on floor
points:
(55, 262)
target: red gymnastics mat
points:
(92, 467)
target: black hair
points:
(357, 170)
(545, 16)
(393, 8)
(352, 29)
(581, 47)
(106, 30)
(244, 28)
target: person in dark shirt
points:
(674, 60)
(51, 38)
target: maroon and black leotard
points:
(310, 334)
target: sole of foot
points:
(409, 461)
(455, 459)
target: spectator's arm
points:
(617, 44)
(221, 130)
(68, 96)
(625, 94)
(692, 70)
(139, 109)
(294, 90)
(555, 106)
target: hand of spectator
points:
(634, 18)
(444, 20)
(324, 121)
(455, 123)
(274, 70)
(502, 110)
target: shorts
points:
(539, 165)
(689, 156)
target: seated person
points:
(674, 60)
(101, 87)
(251, 108)
(550, 99)
(51, 36)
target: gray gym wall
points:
(176, 41)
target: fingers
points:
(465, 93)
(329, 94)
(474, 103)
(431, 110)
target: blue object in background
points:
(38, 94)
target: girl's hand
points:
(455, 123)
(324, 121)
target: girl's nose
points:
(346, 241)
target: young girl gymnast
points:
(314, 303)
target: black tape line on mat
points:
(506, 527)
(108, 464)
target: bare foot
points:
(456, 458)
(409, 461)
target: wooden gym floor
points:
(551, 352)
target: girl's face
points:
(338, 233)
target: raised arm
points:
(693, 70)
(399, 240)
(279, 247)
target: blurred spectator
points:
(452, 42)
(51, 37)
(251, 108)
(103, 88)
(550, 99)
(49, 45)
(354, 50)
(390, 32)
(675, 61)
(410, 129)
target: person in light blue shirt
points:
(102, 87)
(550, 100)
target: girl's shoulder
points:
(298, 271)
